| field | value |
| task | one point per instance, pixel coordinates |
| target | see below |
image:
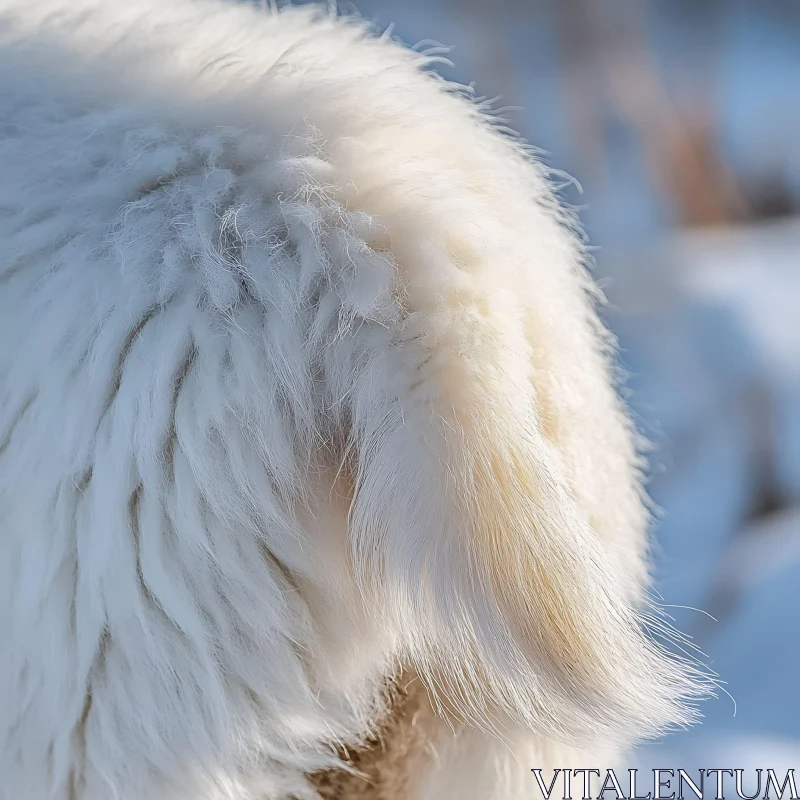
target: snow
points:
(714, 345)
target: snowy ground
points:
(710, 329)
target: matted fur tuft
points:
(300, 382)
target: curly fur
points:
(301, 383)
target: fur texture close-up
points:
(314, 476)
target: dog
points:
(314, 476)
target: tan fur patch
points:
(393, 760)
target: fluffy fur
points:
(301, 384)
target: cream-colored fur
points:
(301, 384)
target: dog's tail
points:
(512, 591)
(497, 489)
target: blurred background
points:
(680, 119)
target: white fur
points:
(300, 380)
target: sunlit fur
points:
(301, 383)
